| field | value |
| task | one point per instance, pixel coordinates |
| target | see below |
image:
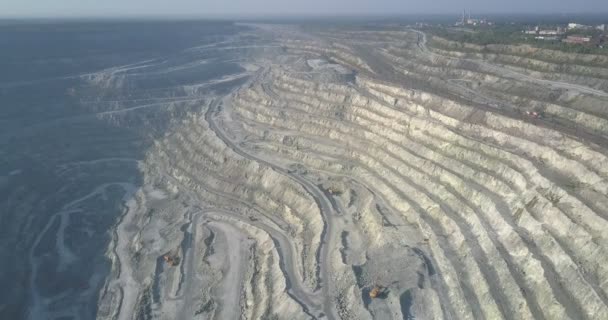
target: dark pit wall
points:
(50, 137)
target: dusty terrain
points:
(347, 159)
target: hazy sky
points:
(72, 8)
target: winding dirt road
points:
(323, 203)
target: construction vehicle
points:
(377, 291)
(534, 114)
(171, 259)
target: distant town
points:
(466, 20)
(572, 35)
(573, 32)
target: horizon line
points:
(219, 16)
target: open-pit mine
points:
(311, 172)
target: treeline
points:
(568, 47)
(480, 36)
(511, 35)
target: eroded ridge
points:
(443, 188)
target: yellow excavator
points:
(171, 259)
(377, 291)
